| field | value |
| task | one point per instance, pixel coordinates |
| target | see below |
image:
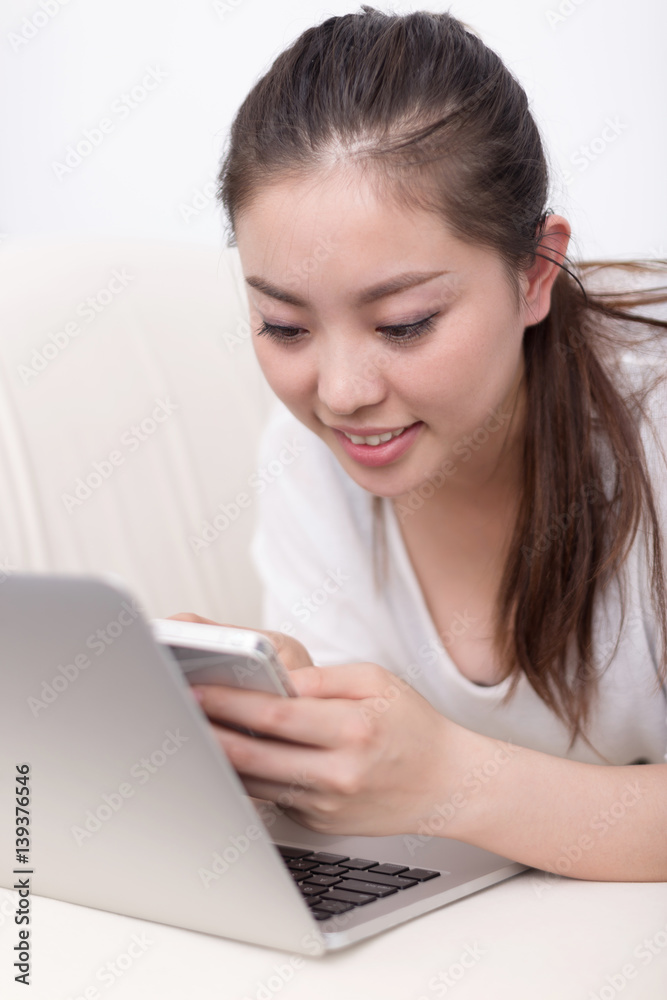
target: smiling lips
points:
(373, 439)
(367, 435)
(381, 448)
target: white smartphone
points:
(218, 654)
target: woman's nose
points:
(348, 380)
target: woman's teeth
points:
(374, 438)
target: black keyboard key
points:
(312, 890)
(299, 876)
(396, 880)
(330, 906)
(356, 898)
(360, 863)
(313, 900)
(421, 874)
(327, 859)
(353, 885)
(301, 865)
(322, 914)
(321, 880)
(389, 869)
(330, 870)
(292, 852)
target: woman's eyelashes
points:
(398, 334)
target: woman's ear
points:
(538, 280)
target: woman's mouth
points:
(379, 449)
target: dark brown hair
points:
(439, 123)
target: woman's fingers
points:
(270, 761)
(309, 721)
(348, 680)
(293, 654)
(190, 616)
(334, 707)
(286, 794)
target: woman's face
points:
(315, 257)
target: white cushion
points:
(165, 343)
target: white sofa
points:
(131, 404)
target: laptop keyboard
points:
(334, 883)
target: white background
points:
(581, 61)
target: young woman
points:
(444, 376)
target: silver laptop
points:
(134, 808)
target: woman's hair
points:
(435, 119)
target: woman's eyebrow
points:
(389, 287)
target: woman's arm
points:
(587, 821)
(367, 754)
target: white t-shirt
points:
(312, 551)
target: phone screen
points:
(239, 670)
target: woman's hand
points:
(366, 754)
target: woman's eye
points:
(279, 332)
(396, 334)
(411, 331)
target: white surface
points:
(536, 937)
